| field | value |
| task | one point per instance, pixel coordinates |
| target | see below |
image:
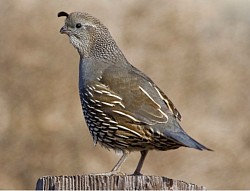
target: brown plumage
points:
(123, 108)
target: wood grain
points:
(113, 182)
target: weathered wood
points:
(102, 182)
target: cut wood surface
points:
(113, 182)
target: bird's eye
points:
(78, 25)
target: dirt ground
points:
(198, 53)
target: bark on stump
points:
(103, 182)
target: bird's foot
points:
(112, 173)
(136, 174)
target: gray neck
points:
(100, 45)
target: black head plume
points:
(62, 14)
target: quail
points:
(123, 108)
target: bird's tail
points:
(195, 144)
(184, 139)
(176, 133)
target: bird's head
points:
(87, 34)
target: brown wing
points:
(134, 97)
(169, 104)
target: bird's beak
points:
(64, 30)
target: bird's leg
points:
(115, 170)
(120, 162)
(141, 161)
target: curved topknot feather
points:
(62, 14)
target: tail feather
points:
(186, 140)
(174, 131)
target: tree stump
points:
(113, 182)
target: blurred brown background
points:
(198, 52)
